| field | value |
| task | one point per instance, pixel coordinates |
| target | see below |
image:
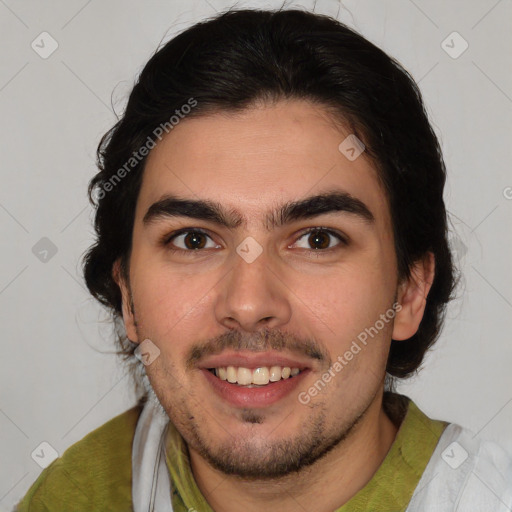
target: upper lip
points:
(252, 360)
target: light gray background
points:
(56, 382)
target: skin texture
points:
(309, 299)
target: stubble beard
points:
(254, 457)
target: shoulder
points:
(467, 473)
(92, 472)
(490, 464)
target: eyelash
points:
(167, 239)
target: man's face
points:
(262, 294)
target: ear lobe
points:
(412, 297)
(128, 314)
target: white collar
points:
(151, 483)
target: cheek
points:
(342, 312)
(349, 298)
(170, 305)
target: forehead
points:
(257, 159)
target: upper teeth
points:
(259, 376)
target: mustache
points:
(259, 341)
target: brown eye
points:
(194, 240)
(190, 240)
(320, 239)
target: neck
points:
(324, 486)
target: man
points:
(272, 232)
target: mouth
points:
(257, 377)
(253, 380)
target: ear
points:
(412, 296)
(128, 313)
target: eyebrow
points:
(307, 208)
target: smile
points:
(261, 376)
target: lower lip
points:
(258, 397)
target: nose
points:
(252, 296)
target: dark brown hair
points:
(228, 63)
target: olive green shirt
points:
(95, 473)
